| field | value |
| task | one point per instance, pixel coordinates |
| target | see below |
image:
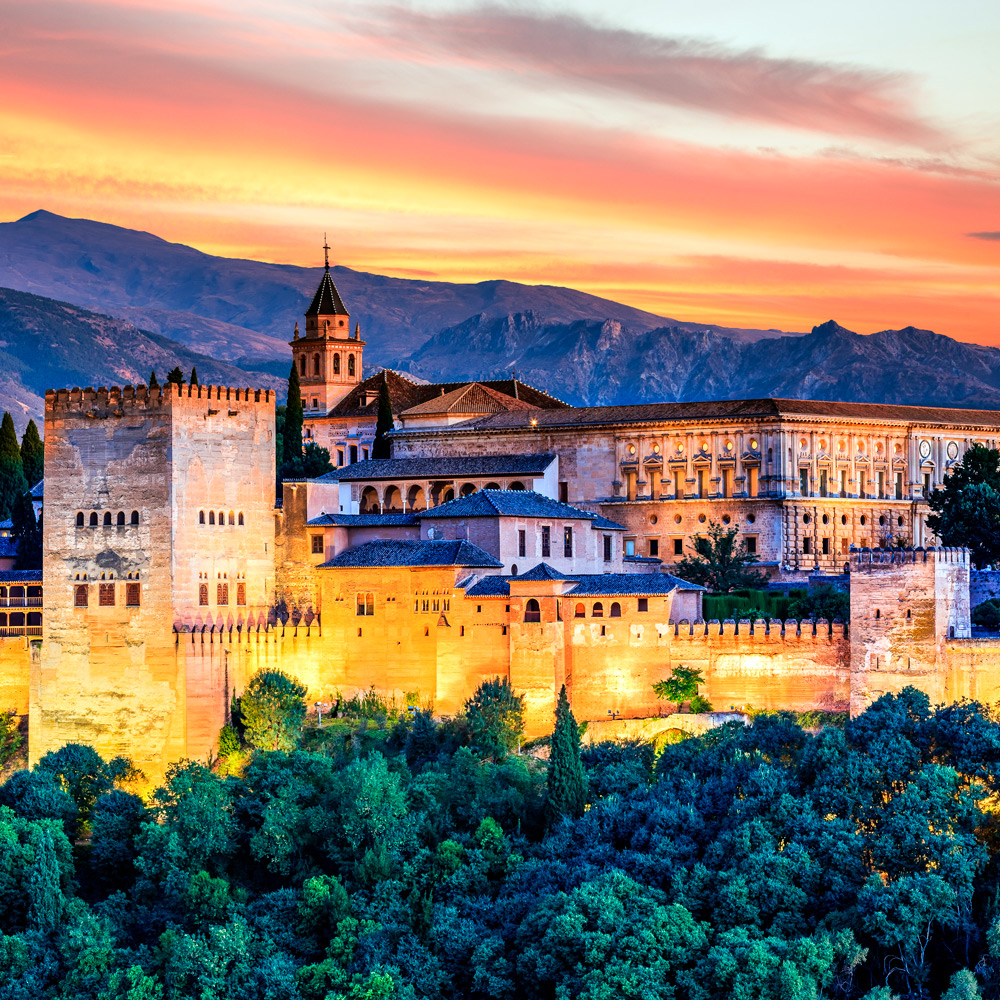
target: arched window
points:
(336, 364)
(598, 611)
(121, 519)
(211, 517)
(232, 518)
(93, 519)
(135, 517)
(302, 364)
(315, 364)
(468, 489)
(201, 517)
(581, 611)
(79, 519)
(516, 486)
(107, 519)
(222, 517)
(616, 610)
(241, 519)
(350, 364)
(532, 612)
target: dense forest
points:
(401, 857)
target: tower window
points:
(568, 542)
(222, 517)
(616, 610)
(302, 365)
(607, 548)
(121, 519)
(80, 595)
(222, 594)
(241, 519)
(106, 595)
(135, 517)
(532, 612)
(107, 519)
(132, 595)
(521, 542)
(211, 517)
(350, 364)
(79, 519)
(315, 364)
(232, 518)
(580, 611)
(546, 541)
(93, 519)
(241, 595)
(366, 604)
(336, 364)
(203, 595)
(598, 610)
(317, 545)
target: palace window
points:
(366, 603)
(598, 610)
(239, 520)
(522, 542)
(607, 548)
(927, 487)
(222, 594)
(222, 517)
(752, 473)
(80, 595)
(804, 482)
(568, 542)
(106, 595)
(630, 546)
(899, 485)
(678, 546)
(241, 595)
(881, 485)
(701, 482)
(317, 545)
(211, 517)
(826, 546)
(806, 545)
(643, 604)
(725, 482)
(751, 544)
(581, 611)
(616, 610)
(201, 517)
(107, 519)
(822, 482)
(203, 595)
(121, 519)
(135, 517)
(654, 547)
(79, 519)
(532, 612)
(132, 595)
(843, 482)
(546, 541)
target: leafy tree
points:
(175, 376)
(384, 424)
(987, 614)
(292, 431)
(153, 383)
(81, 772)
(37, 795)
(10, 735)
(824, 601)
(194, 375)
(32, 454)
(45, 898)
(567, 784)
(496, 718)
(229, 741)
(680, 686)
(312, 463)
(720, 562)
(12, 482)
(117, 816)
(966, 508)
(273, 710)
(28, 533)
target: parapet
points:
(104, 402)
(872, 560)
(792, 629)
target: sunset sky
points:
(768, 164)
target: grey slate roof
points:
(36, 491)
(411, 552)
(327, 300)
(543, 571)
(642, 559)
(8, 547)
(510, 503)
(639, 584)
(441, 468)
(20, 576)
(602, 523)
(364, 520)
(488, 586)
(7, 525)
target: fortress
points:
(509, 535)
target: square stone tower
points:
(159, 519)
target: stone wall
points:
(294, 577)
(984, 585)
(15, 671)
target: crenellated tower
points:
(328, 357)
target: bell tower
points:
(328, 357)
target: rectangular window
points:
(752, 481)
(807, 545)
(630, 546)
(678, 489)
(546, 541)
(678, 546)
(845, 545)
(822, 482)
(927, 484)
(317, 545)
(899, 485)
(222, 594)
(826, 546)
(701, 482)
(203, 595)
(522, 542)
(564, 492)
(315, 403)
(726, 473)
(106, 595)
(366, 454)
(861, 484)
(353, 452)
(241, 595)
(843, 482)
(751, 545)
(654, 547)
(132, 595)
(568, 542)
(607, 548)
(881, 486)
(340, 457)
(643, 604)
(366, 603)
(80, 595)
(804, 482)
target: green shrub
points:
(987, 614)
(229, 741)
(700, 704)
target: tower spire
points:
(326, 253)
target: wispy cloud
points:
(985, 236)
(803, 94)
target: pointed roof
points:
(474, 399)
(327, 300)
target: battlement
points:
(116, 400)
(871, 560)
(789, 630)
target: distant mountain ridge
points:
(178, 303)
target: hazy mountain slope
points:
(601, 363)
(47, 344)
(235, 308)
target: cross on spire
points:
(326, 253)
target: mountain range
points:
(88, 303)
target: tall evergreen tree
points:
(292, 434)
(153, 384)
(12, 481)
(384, 424)
(194, 376)
(32, 454)
(175, 376)
(28, 533)
(567, 783)
(45, 897)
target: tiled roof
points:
(543, 571)
(642, 559)
(742, 409)
(364, 520)
(36, 491)
(405, 393)
(327, 300)
(488, 586)
(612, 584)
(474, 399)
(603, 524)
(508, 503)
(410, 552)
(20, 576)
(7, 525)
(446, 467)
(8, 547)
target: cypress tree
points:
(28, 533)
(384, 424)
(194, 376)
(175, 376)
(12, 482)
(153, 384)
(45, 897)
(292, 435)
(32, 455)
(567, 784)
